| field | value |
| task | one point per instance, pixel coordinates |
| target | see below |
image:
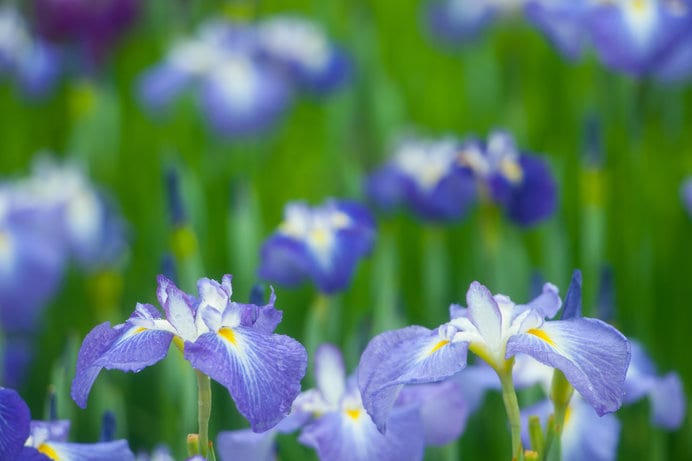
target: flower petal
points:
(330, 373)
(548, 302)
(535, 198)
(126, 347)
(593, 356)
(14, 423)
(246, 444)
(484, 312)
(573, 299)
(261, 371)
(668, 404)
(352, 436)
(412, 355)
(117, 449)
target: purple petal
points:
(54, 431)
(261, 371)
(573, 299)
(117, 449)
(159, 86)
(548, 302)
(562, 23)
(535, 198)
(14, 423)
(284, 260)
(330, 373)
(668, 403)
(412, 355)
(593, 356)
(474, 381)
(352, 436)
(455, 22)
(442, 407)
(484, 312)
(246, 444)
(125, 347)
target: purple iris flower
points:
(563, 22)
(304, 50)
(93, 26)
(455, 21)
(335, 424)
(425, 175)
(592, 355)
(32, 64)
(239, 94)
(24, 439)
(519, 182)
(323, 244)
(644, 37)
(686, 195)
(230, 342)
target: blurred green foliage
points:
(625, 213)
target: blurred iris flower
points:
(31, 63)
(458, 21)
(244, 76)
(333, 421)
(24, 439)
(230, 342)
(592, 355)
(686, 195)
(323, 244)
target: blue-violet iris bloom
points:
(323, 244)
(232, 343)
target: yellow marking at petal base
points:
(543, 335)
(228, 335)
(354, 414)
(48, 451)
(438, 346)
(638, 5)
(179, 343)
(139, 330)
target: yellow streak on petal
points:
(354, 414)
(543, 335)
(138, 330)
(228, 335)
(438, 346)
(48, 451)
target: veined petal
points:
(484, 312)
(14, 423)
(102, 451)
(548, 302)
(352, 436)
(593, 356)
(330, 373)
(126, 347)
(412, 355)
(261, 371)
(179, 312)
(246, 444)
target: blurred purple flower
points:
(686, 195)
(593, 355)
(232, 343)
(24, 439)
(426, 176)
(323, 244)
(31, 63)
(563, 22)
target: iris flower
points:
(24, 439)
(230, 342)
(323, 244)
(592, 355)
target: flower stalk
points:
(203, 411)
(509, 397)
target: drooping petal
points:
(261, 371)
(668, 403)
(126, 347)
(593, 356)
(14, 423)
(102, 451)
(246, 444)
(352, 436)
(330, 373)
(412, 355)
(443, 409)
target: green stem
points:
(203, 411)
(509, 397)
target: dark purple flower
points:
(323, 244)
(232, 343)
(426, 176)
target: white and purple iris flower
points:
(442, 180)
(32, 64)
(323, 244)
(425, 175)
(232, 343)
(592, 355)
(334, 422)
(244, 76)
(27, 440)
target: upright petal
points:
(548, 302)
(261, 371)
(593, 356)
(14, 423)
(352, 436)
(573, 299)
(412, 355)
(330, 373)
(126, 347)
(484, 313)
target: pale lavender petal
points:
(593, 356)
(668, 403)
(484, 312)
(125, 347)
(179, 311)
(548, 302)
(330, 373)
(474, 381)
(55, 431)
(261, 371)
(342, 436)
(412, 355)
(246, 444)
(103, 451)
(14, 423)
